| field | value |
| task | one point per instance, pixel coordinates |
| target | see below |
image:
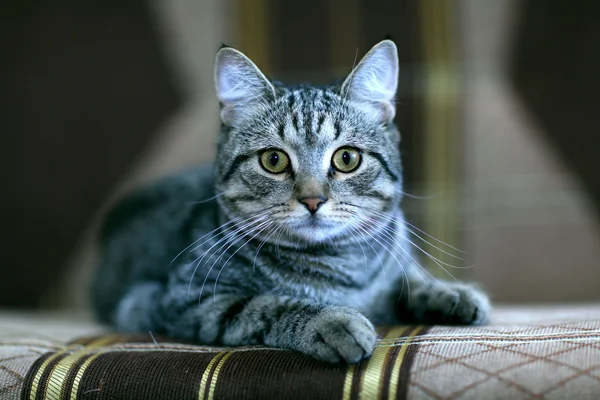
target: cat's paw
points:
(339, 334)
(450, 303)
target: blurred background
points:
(497, 105)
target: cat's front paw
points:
(450, 303)
(339, 334)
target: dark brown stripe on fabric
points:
(407, 362)
(30, 376)
(359, 372)
(70, 379)
(395, 350)
(368, 372)
(278, 374)
(144, 375)
(388, 369)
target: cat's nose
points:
(312, 203)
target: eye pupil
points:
(346, 158)
(274, 159)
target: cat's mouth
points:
(315, 221)
(311, 226)
(316, 229)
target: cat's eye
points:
(346, 159)
(274, 161)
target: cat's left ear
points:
(242, 89)
(374, 80)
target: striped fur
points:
(263, 266)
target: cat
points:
(296, 239)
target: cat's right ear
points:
(242, 89)
(374, 81)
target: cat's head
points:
(308, 164)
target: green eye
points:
(274, 161)
(346, 159)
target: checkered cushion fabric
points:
(513, 362)
(558, 358)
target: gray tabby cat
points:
(302, 244)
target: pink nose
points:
(312, 203)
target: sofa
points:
(533, 352)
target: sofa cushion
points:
(526, 352)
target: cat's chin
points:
(316, 232)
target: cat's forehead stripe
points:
(309, 108)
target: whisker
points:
(435, 260)
(237, 228)
(207, 200)
(269, 223)
(232, 236)
(223, 253)
(359, 229)
(432, 257)
(235, 221)
(262, 243)
(154, 339)
(402, 269)
(363, 250)
(387, 229)
(416, 197)
(431, 237)
(349, 83)
(260, 214)
(384, 247)
(197, 240)
(392, 218)
(197, 261)
(405, 222)
(392, 241)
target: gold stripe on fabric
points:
(440, 123)
(40, 372)
(395, 376)
(79, 375)
(83, 367)
(56, 380)
(215, 377)
(372, 377)
(348, 382)
(206, 374)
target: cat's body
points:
(303, 244)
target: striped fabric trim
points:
(372, 379)
(136, 367)
(215, 377)
(401, 363)
(51, 378)
(211, 373)
(379, 376)
(86, 361)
